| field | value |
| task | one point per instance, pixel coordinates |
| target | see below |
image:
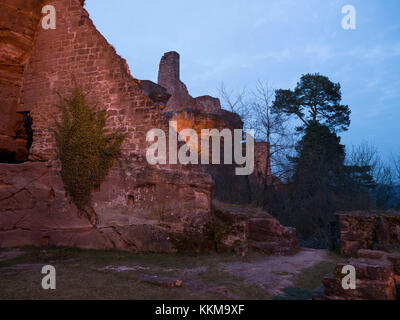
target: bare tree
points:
(274, 130)
(396, 162)
(385, 186)
(366, 155)
(255, 109)
(235, 102)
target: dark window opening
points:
(131, 200)
(52, 194)
(45, 241)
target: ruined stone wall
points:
(209, 104)
(204, 112)
(139, 206)
(377, 275)
(169, 78)
(367, 230)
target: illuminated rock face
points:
(200, 113)
(140, 207)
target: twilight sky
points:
(239, 42)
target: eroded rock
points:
(367, 230)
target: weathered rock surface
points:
(34, 210)
(18, 27)
(376, 274)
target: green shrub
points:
(86, 152)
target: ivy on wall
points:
(86, 152)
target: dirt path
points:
(274, 273)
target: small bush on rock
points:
(86, 152)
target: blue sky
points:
(239, 42)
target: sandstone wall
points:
(367, 230)
(138, 205)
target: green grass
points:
(78, 276)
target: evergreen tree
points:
(314, 100)
(318, 181)
(320, 178)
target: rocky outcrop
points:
(367, 230)
(19, 20)
(377, 274)
(35, 211)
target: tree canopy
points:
(315, 99)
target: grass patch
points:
(78, 276)
(306, 282)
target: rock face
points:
(377, 275)
(34, 210)
(367, 230)
(18, 26)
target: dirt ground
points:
(119, 275)
(276, 273)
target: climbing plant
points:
(86, 152)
